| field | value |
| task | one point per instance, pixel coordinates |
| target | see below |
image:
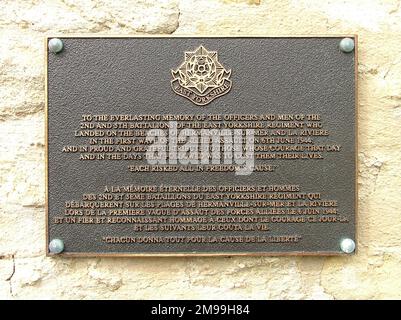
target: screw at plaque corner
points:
(347, 45)
(348, 245)
(55, 45)
(56, 246)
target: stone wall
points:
(25, 272)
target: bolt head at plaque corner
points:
(347, 45)
(56, 246)
(347, 245)
(55, 45)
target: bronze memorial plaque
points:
(201, 145)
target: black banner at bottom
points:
(195, 309)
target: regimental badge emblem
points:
(201, 78)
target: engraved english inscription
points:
(133, 168)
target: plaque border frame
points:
(200, 254)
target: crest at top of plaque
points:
(201, 78)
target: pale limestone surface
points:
(374, 272)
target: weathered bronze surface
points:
(297, 94)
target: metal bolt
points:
(55, 45)
(348, 245)
(347, 45)
(56, 246)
